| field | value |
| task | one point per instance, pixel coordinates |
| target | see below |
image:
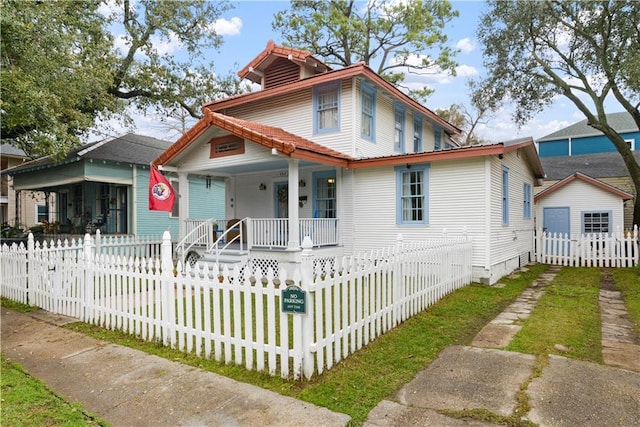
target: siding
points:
(150, 223)
(205, 203)
(516, 238)
(580, 196)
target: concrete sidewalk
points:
(128, 387)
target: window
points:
(325, 194)
(631, 143)
(527, 201)
(398, 133)
(326, 101)
(505, 195)
(175, 213)
(412, 194)
(417, 135)
(42, 213)
(437, 138)
(368, 112)
(595, 222)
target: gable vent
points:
(281, 72)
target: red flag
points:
(161, 194)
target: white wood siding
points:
(456, 200)
(509, 242)
(197, 159)
(580, 197)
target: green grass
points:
(27, 402)
(567, 314)
(627, 280)
(17, 306)
(356, 385)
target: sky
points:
(246, 29)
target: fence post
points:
(166, 280)
(30, 266)
(89, 284)
(307, 319)
(98, 241)
(397, 281)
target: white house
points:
(580, 204)
(348, 159)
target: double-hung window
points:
(526, 209)
(326, 103)
(398, 132)
(412, 189)
(368, 124)
(417, 135)
(596, 222)
(505, 195)
(324, 194)
(437, 138)
(42, 213)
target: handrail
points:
(205, 238)
(237, 227)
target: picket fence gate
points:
(236, 317)
(618, 249)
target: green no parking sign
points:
(294, 300)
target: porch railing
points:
(274, 232)
(198, 233)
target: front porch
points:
(216, 239)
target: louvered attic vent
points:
(281, 72)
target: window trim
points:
(367, 89)
(400, 171)
(505, 195)
(632, 143)
(526, 209)
(609, 221)
(399, 109)
(175, 184)
(317, 90)
(417, 122)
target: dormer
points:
(278, 65)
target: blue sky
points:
(247, 27)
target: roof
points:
(268, 136)
(129, 148)
(584, 178)
(11, 151)
(301, 148)
(622, 122)
(357, 70)
(273, 51)
(601, 165)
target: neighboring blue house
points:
(104, 185)
(580, 138)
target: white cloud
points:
(224, 27)
(166, 46)
(465, 45)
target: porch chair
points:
(234, 226)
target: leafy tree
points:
(60, 70)
(394, 35)
(585, 51)
(468, 118)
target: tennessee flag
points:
(161, 194)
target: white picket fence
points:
(618, 249)
(238, 318)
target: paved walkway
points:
(131, 388)
(482, 377)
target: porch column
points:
(294, 213)
(183, 204)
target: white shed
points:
(580, 204)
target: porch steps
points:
(229, 258)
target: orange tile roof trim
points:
(585, 178)
(359, 69)
(274, 49)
